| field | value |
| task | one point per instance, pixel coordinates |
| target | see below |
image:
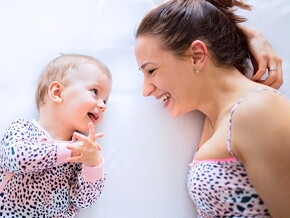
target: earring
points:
(196, 71)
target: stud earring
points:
(196, 71)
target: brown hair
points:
(58, 70)
(177, 23)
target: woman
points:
(195, 56)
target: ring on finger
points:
(272, 69)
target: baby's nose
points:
(102, 106)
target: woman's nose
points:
(148, 88)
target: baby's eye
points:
(95, 91)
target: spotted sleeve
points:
(88, 186)
(22, 149)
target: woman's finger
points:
(273, 75)
(262, 69)
(279, 80)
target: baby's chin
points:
(85, 130)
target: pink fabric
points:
(92, 174)
(213, 160)
(221, 187)
(35, 174)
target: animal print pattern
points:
(43, 184)
(221, 188)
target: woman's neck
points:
(221, 91)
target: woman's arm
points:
(261, 140)
(264, 57)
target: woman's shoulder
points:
(260, 120)
(261, 103)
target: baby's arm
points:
(22, 150)
(90, 181)
(88, 186)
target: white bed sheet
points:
(146, 152)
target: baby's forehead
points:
(87, 71)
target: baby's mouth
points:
(93, 116)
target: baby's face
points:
(85, 97)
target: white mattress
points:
(146, 152)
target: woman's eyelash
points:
(151, 71)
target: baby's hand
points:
(86, 150)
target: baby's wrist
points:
(97, 162)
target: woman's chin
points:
(174, 114)
(177, 113)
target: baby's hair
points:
(58, 70)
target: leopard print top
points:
(221, 187)
(35, 178)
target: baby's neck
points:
(56, 129)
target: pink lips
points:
(93, 116)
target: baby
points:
(47, 167)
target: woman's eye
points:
(95, 91)
(151, 71)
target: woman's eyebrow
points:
(145, 64)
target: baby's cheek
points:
(101, 118)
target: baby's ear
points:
(55, 90)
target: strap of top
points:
(228, 143)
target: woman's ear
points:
(198, 51)
(55, 90)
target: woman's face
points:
(166, 77)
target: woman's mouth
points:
(164, 98)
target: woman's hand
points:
(264, 58)
(86, 150)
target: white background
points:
(146, 152)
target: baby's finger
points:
(75, 149)
(99, 135)
(80, 136)
(91, 131)
(73, 145)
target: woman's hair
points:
(177, 23)
(58, 70)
